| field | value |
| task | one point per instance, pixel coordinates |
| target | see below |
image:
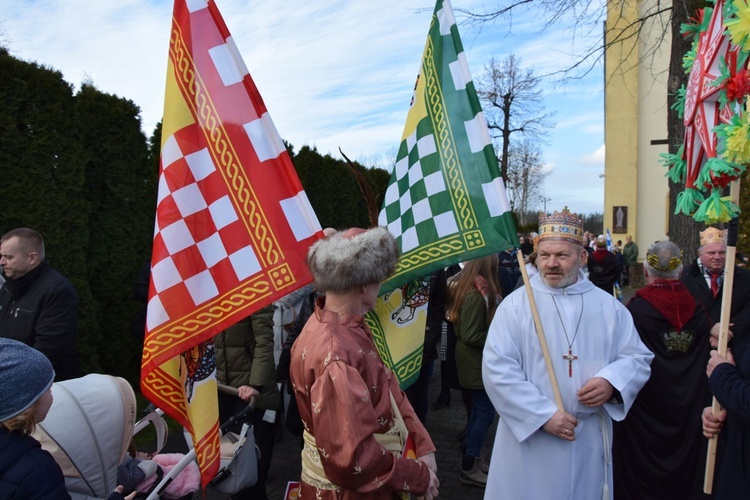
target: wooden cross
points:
(570, 359)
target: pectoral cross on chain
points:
(570, 359)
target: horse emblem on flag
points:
(446, 201)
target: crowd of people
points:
(609, 400)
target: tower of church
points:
(636, 193)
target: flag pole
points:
(726, 311)
(540, 332)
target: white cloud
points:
(332, 74)
(596, 158)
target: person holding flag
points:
(559, 423)
(233, 222)
(357, 420)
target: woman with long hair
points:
(473, 296)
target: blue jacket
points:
(27, 471)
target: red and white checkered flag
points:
(233, 223)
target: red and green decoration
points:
(716, 148)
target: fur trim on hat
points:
(341, 262)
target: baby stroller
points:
(238, 469)
(88, 431)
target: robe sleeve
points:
(344, 422)
(521, 405)
(630, 370)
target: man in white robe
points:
(600, 364)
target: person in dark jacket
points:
(658, 450)
(509, 270)
(244, 360)
(705, 278)
(730, 384)
(26, 470)
(417, 392)
(604, 270)
(38, 305)
(526, 245)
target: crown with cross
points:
(562, 225)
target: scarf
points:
(672, 299)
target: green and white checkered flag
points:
(446, 201)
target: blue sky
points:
(333, 73)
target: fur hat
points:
(25, 375)
(353, 258)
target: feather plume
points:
(370, 200)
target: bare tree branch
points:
(513, 104)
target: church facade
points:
(636, 192)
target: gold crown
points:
(653, 261)
(561, 226)
(677, 341)
(713, 235)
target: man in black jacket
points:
(38, 305)
(705, 278)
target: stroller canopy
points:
(88, 430)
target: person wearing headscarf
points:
(354, 414)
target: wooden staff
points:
(540, 333)
(726, 311)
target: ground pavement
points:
(443, 424)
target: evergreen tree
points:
(43, 174)
(120, 190)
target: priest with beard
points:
(659, 451)
(542, 451)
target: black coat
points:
(731, 386)
(694, 280)
(604, 270)
(659, 451)
(28, 471)
(435, 316)
(40, 309)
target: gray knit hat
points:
(353, 258)
(25, 375)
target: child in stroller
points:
(89, 433)
(27, 470)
